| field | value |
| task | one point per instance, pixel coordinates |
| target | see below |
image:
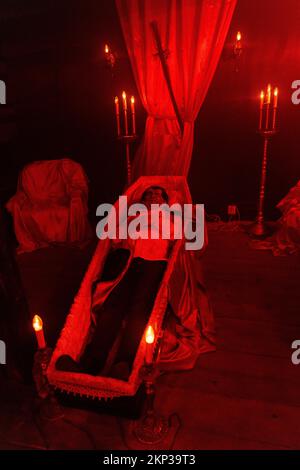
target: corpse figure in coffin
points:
(131, 301)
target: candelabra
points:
(267, 130)
(152, 427)
(49, 408)
(126, 137)
(259, 228)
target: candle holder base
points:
(152, 429)
(259, 230)
(49, 408)
(138, 435)
(41, 360)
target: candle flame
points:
(37, 323)
(262, 95)
(149, 335)
(238, 36)
(116, 100)
(106, 48)
(132, 99)
(124, 95)
(276, 91)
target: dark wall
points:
(60, 99)
(227, 152)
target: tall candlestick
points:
(37, 324)
(118, 115)
(275, 104)
(262, 98)
(149, 336)
(133, 115)
(125, 112)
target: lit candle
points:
(133, 115)
(262, 99)
(275, 104)
(37, 324)
(125, 112)
(118, 115)
(238, 43)
(106, 49)
(268, 101)
(149, 336)
(269, 91)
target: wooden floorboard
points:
(244, 419)
(243, 396)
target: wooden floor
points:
(244, 396)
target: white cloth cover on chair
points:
(50, 204)
(287, 238)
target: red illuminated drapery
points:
(192, 34)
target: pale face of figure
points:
(153, 196)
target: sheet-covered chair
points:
(50, 205)
(287, 238)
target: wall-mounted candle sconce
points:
(237, 49)
(110, 57)
(238, 44)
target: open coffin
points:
(189, 330)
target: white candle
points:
(37, 324)
(275, 104)
(262, 98)
(118, 115)
(125, 112)
(238, 43)
(268, 101)
(132, 101)
(149, 336)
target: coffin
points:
(189, 330)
